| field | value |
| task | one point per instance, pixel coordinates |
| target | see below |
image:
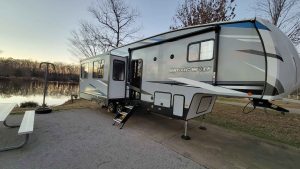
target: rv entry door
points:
(117, 79)
(136, 79)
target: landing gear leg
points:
(185, 136)
(201, 124)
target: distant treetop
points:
(195, 12)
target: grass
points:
(245, 100)
(271, 125)
(233, 99)
(29, 104)
(78, 104)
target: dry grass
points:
(287, 104)
(77, 104)
(281, 103)
(270, 125)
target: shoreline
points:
(36, 79)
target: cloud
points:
(1, 51)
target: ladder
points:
(122, 117)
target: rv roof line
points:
(191, 27)
(209, 29)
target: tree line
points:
(27, 69)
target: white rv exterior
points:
(180, 73)
(97, 80)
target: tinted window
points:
(118, 70)
(84, 70)
(98, 69)
(201, 51)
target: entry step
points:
(123, 113)
(129, 107)
(122, 117)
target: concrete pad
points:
(80, 139)
(216, 147)
(87, 139)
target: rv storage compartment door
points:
(201, 104)
(162, 99)
(178, 103)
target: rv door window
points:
(201, 51)
(84, 70)
(118, 70)
(98, 69)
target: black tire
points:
(43, 110)
(111, 107)
(119, 108)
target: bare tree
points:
(84, 41)
(284, 14)
(114, 26)
(195, 12)
(117, 18)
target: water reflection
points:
(19, 91)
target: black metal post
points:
(46, 84)
(44, 109)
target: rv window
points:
(118, 70)
(194, 52)
(84, 70)
(98, 69)
(201, 51)
(207, 49)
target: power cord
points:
(244, 109)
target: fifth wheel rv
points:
(180, 73)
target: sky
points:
(39, 29)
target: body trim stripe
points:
(256, 52)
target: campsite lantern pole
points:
(44, 109)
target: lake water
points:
(18, 91)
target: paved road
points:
(82, 139)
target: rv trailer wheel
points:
(119, 108)
(111, 107)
